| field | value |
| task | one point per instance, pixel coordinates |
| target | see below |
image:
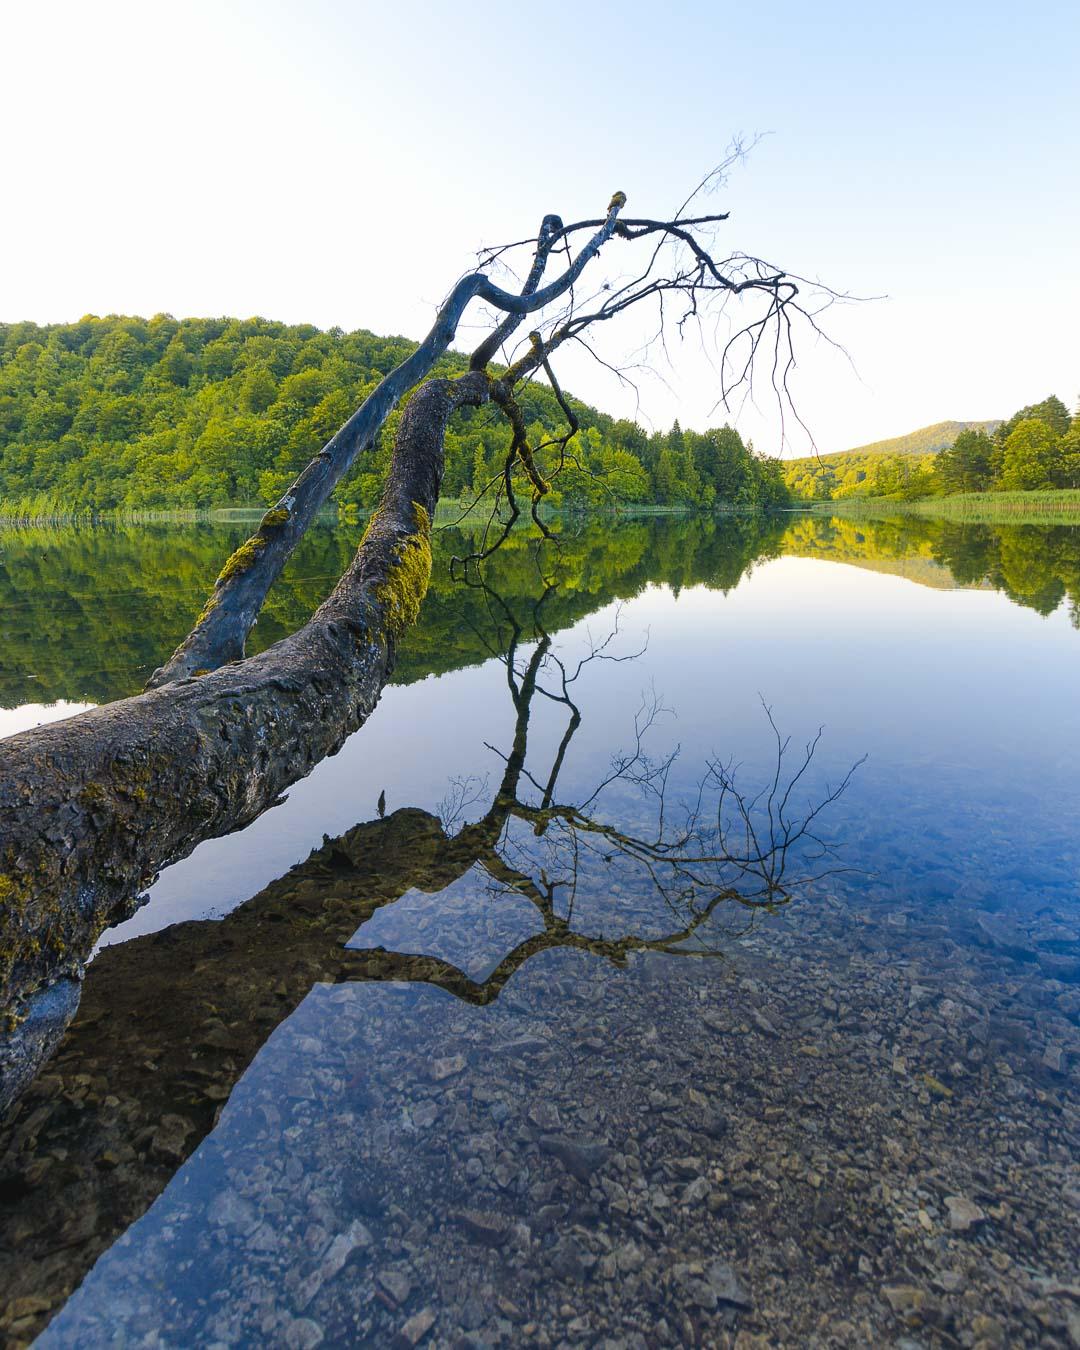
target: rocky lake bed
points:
(846, 1130)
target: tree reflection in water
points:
(170, 1021)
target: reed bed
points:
(1051, 507)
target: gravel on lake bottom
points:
(850, 1130)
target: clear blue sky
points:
(339, 164)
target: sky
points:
(340, 164)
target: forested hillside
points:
(925, 441)
(1038, 448)
(150, 414)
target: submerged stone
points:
(580, 1159)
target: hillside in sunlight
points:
(925, 441)
(850, 468)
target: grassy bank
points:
(1042, 508)
(46, 510)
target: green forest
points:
(1037, 449)
(128, 414)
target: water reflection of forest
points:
(88, 611)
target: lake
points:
(686, 952)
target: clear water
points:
(523, 1056)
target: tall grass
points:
(41, 508)
(1049, 507)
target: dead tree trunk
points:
(91, 808)
(221, 630)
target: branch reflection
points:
(170, 1021)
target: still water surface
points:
(498, 1031)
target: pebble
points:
(581, 1159)
(417, 1327)
(397, 1284)
(726, 1285)
(303, 1334)
(484, 1226)
(964, 1214)
(447, 1067)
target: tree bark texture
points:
(92, 807)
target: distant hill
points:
(849, 469)
(925, 441)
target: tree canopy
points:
(153, 414)
(1038, 448)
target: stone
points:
(354, 1237)
(987, 1331)
(1054, 1057)
(472, 1313)
(1061, 1289)
(425, 1114)
(725, 1284)
(447, 1067)
(580, 1159)
(964, 1214)
(629, 1257)
(570, 1261)
(303, 1334)
(695, 1192)
(167, 1143)
(229, 1210)
(397, 1284)
(762, 1022)
(545, 1115)
(29, 1306)
(417, 1327)
(911, 1303)
(484, 1226)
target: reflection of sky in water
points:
(964, 703)
(469, 923)
(29, 715)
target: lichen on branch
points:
(402, 592)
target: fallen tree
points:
(91, 808)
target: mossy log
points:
(92, 807)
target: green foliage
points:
(1029, 456)
(1037, 449)
(925, 441)
(1051, 412)
(968, 464)
(1036, 566)
(127, 414)
(1049, 507)
(856, 473)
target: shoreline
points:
(448, 509)
(1060, 507)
